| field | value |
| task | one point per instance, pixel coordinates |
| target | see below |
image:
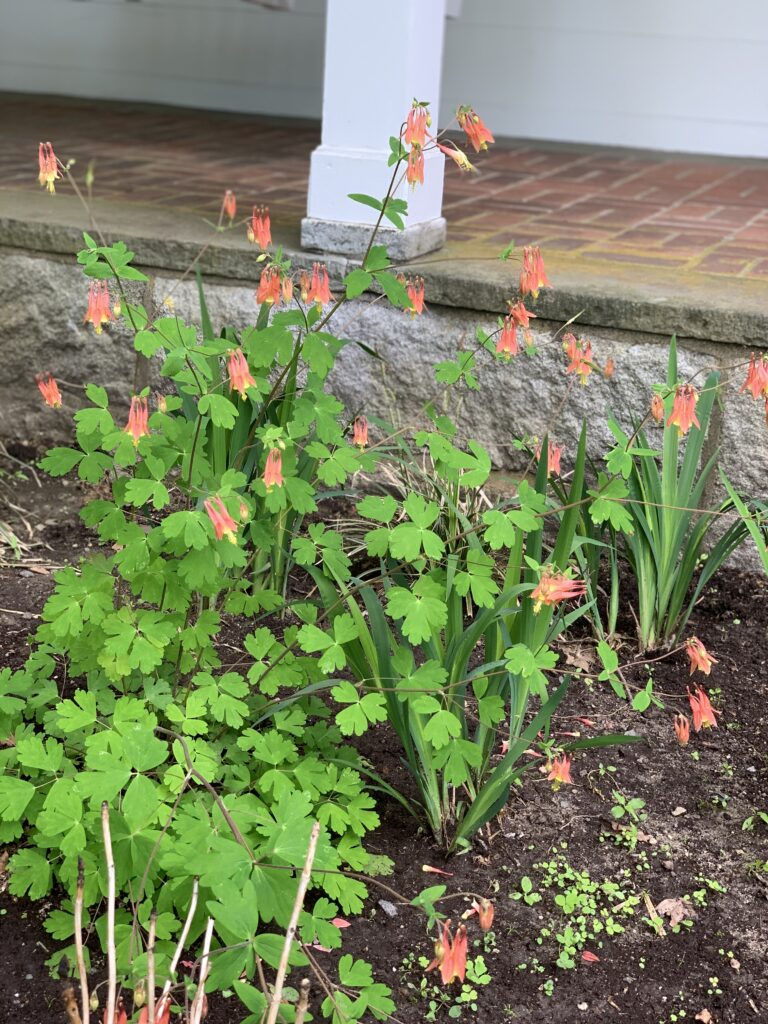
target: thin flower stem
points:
(109, 1015)
(198, 1003)
(151, 966)
(180, 945)
(83, 974)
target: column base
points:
(352, 239)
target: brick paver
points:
(650, 209)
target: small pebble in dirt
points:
(668, 865)
(389, 908)
(678, 811)
(583, 1006)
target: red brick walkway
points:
(642, 208)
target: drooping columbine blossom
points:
(609, 368)
(484, 910)
(533, 275)
(320, 287)
(286, 290)
(682, 730)
(138, 418)
(471, 123)
(701, 659)
(757, 377)
(657, 408)
(99, 310)
(414, 172)
(416, 126)
(229, 205)
(701, 709)
(520, 314)
(259, 229)
(451, 954)
(49, 166)
(683, 414)
(553, 587)
(269, 286)
(459, 158)
(223, 523)
(560, 771)
(49, 389)
(554, 454)
(273, 469)
(360, 432)
(579, 353)
(240, 378)
(415, 289)
(507, 345)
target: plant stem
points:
(84, 997)
(109, 1015)
(151, 967)
(198, 1003)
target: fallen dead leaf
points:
(676, 910)
(705, 1017)
(580, 657)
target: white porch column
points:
(377, 59)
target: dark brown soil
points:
(718, 965)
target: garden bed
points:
(689, 842)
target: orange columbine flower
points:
(259, 228)
(580, 355)
(484, 910)
(414, 172)
(138, 417)
(49, 389)
(460, 159)
(478, 135)
(560, 771)
(49, 166)
(320, 288)
(416, 126)
(415, 288)
(682, 730)
(520, 314)
(702, 710)
(610, 368)
(554, 454)
(98, 311)
(451, 954)
(240, 378)
(223, 523)
(229, 205)
(273, 470)
(286, 289)
(683, 413)
(757, 377)
(360, 432)
(657, 408)
(507, 345)
(553, 587)
(304, 285)
(533, 275)
(700, 657)
(269, 286)
(162, 1013)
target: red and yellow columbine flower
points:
(757, 377)
(99, 310)
(507, 345)
(229, 205)
(273, 470)
(414, 171)
(415, 289)
(560, 771)
(304, 285)
(416, 126)
(533, 275)
(259, 228)
(49, 389)
(223, 523)
(657, 408)
(360, 432)
(579, 353)
(682, 730)
(240, 378)
(49, 166)
(484, 910)
(286, 290)
(554, 454)
(269, 287)
(472, 125)
(609, 369)
(451, 954)
(320, 288)
(701, 709)
(701, 659)
(520, 314)
(138, 418)
(553, 587)
(459, 158)
(683, 414)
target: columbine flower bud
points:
(49, 389)
(229, 205)
(48, 166)
(657, 408)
